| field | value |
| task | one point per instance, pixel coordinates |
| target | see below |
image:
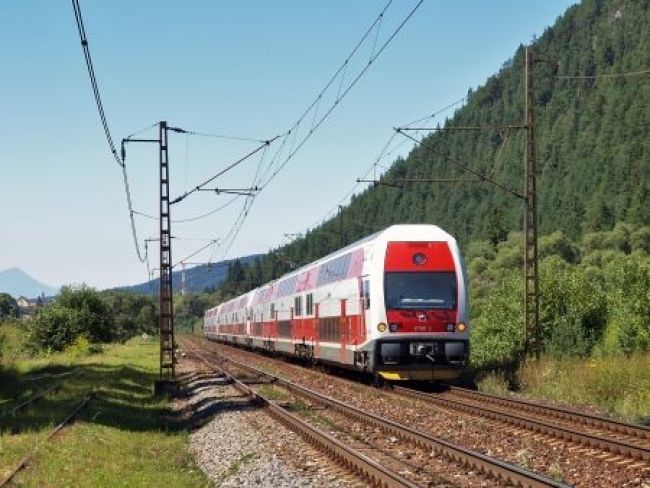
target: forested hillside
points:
(593, 149)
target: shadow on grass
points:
(123, 399)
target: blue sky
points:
(246, 68)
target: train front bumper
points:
(422, 358)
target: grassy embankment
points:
(124, 437)
(618, 385)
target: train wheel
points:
(378, 381)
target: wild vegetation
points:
(84, 315)
(595, 295)
(124, 437)
(8, 306)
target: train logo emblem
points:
(422, 317)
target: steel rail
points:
(40, 394)
(641, 432)
(588, 440)
(368, 470)
(24, 462)
(469, 459)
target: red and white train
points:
(393, 304)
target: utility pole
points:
(166, 308)
(531, 326)
(341, 237)
(166, 317)
(531, 272)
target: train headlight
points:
(381, 327)
(393, 327)
(461, 327)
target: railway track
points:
(553, 455)
(593, 432)
(24, 462)
(361, 465)
(41, 394)
(616, 428)
(379, 461)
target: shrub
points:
(81, 347)
(640, 240)
(573, 308)
(558, 244)
(480, 249)
(628, 301)
(497, 335)
(54, 328)
(81, 314)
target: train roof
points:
(397, 231)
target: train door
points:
(344, 328)
(364, 307)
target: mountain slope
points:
(197, 278)
(593, 149)
(16, 282)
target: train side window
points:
(297, 306)
(309, 304)
(366, 294)
(272, 310)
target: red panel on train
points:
(420, 256)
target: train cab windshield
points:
(420, 290)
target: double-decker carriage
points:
(393, 304)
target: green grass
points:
(619, 385)
(303, 409)
(272, 393)
(124, 437)
(12, 340)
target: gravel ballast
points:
(238, 444)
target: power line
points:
(347, 90)
(264, 145)
(384, 152)
(195, 218)
(604, 75)
(93, 79)
(211, 243)
(465, 167)
(265, 180)
(207, 214)
(102, 115)
(216, 135)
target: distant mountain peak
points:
(18, 283)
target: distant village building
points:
(27, 306)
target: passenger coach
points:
(393, 304)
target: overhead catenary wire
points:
(196, 217)
(384, 152)
(102, 115)
(211, 243)
(237, 162)
(216, 135)
(272, 171)
(346, 91)
(604, 75)
(273, 168)
(465, 167)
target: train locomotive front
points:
(393, 304)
